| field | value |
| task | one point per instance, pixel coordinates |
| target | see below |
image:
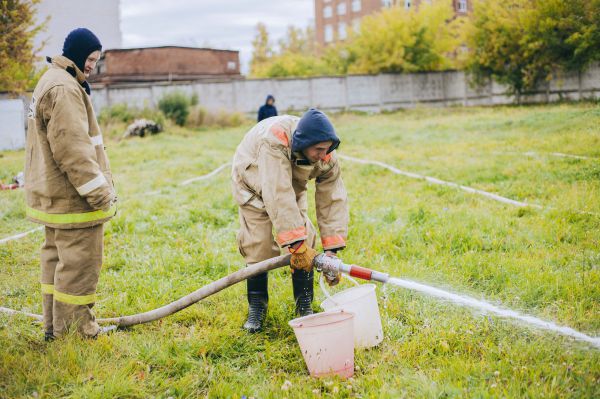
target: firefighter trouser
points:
(255, 238)
(71, 261)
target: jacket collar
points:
(300, 160)
(63, 62)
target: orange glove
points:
(302, 256)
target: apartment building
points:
(333, 18)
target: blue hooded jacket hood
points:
(314, 127)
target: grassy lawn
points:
(162, 246)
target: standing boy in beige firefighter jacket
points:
(271, 169)
(68, 186)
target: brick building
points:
(333, 18)
(165, 64)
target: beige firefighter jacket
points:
(68, 182)
(268, 175)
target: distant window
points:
(327, 12)
(407, 4)
(462, 5)
(356, 5)
(328, 33)
(387, 3)
(341, 9)
(342, 34)
(231, 65)
(356, 24)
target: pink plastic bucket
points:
(327, 342)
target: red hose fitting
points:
(360, 272)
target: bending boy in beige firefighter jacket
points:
(271, 169)
(68, 186)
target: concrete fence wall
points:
(372, 93)
(12, 125)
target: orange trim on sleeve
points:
(333, 242)
(291, 236)
(279, 132)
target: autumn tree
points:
(394, 40)
(296, 55)
(261, 50)
(17, 55)
(568, 31)
(521, 43)
(424, 38)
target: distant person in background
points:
(268, 110)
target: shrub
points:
(122, 113)
(175, 106)
(200, 117)
(152, 114)
(116, 113)
(224, 119)
(197, 117)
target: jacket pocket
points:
(54, 187)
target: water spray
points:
(332, 266)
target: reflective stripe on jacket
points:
(267, 174)
(68, 182)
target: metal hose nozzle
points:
(331, 266)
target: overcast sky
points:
(225, 24)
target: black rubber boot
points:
(258, 297)
(303, 291)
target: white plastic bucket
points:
(362, 301)
(327, 342)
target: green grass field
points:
(160, 247)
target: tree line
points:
(519, 43)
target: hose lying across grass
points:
(188, 300)
(468, 189)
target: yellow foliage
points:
(426, 38)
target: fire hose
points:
(329, 266)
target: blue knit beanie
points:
(79, 44)
(314, 127)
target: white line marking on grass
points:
(433, 180)
(20, 235)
